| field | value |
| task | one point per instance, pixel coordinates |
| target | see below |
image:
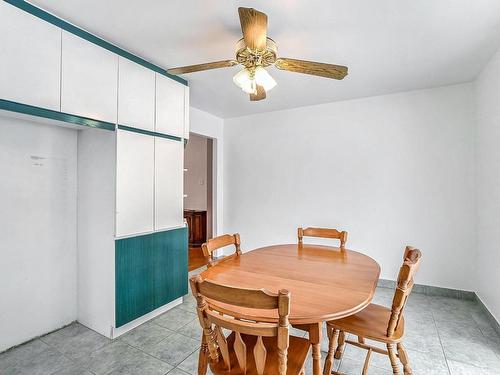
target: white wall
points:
(210, 126)
(38, 229)
(488, 185)
(195, 178)
(96, 207)
(391, 170)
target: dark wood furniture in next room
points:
(197, 224)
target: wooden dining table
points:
(325, 283)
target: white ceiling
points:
(388, 45)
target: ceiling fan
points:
(255, 52)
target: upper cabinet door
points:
(186, 112)
(136, 96)
(89, 79)
(169, 182)
(170, 108)
(134, 183)
(30, 59)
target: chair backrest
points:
(208, 293)
(411, 263)
(219, 242)
(323, 233)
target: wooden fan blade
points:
(254, 28)
(200, 67)
(261, 94)
(311, 67)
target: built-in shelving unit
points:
(132, 240)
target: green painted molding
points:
(37, 12)
(436, 291)
(491, 318)
(429, 290)
(30, 110)
(54, 115)
(149, 132)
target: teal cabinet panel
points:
(150, 271)
(171, 255)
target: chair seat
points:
(297, 355)
(370, 323)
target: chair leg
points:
(333, 336)
(341, 346)
(203, 357)
(391, 348)
(367, 362)
(403, 357)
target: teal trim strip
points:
(148, 132)
(26, 109)
(54, 115)
(37, 12)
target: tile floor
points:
(443, 336)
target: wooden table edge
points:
(312, 323)
(309, 319)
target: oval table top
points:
(325, 282)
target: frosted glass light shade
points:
(264, 79)
(244, 80)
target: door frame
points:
(217, 182)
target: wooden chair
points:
(323, 233)
(378, 323)
(252, 347)
(219, 242)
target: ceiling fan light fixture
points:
(256, 52)
(245, 80)
(264, 79)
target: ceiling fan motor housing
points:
(252, 58)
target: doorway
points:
(198, 195)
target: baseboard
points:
(494, 323)
(116, 332)
(432, 290)
(36, 337)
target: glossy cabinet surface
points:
(30, 59)
(89, 79)
(134, 183)
(169, 181)
(136, 95)
(170, 107)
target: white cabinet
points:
(169, 161)
(170, 107)
(134, 183)
(186, 112)
(30, 59)
(136, 95)
(89, 79)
